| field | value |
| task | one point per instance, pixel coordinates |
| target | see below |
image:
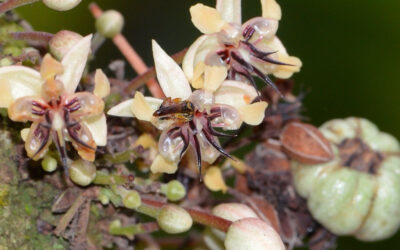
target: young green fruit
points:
(357, 193)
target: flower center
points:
(194, 127)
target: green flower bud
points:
(82, 172)
(61, 5)
(110, 23)
(62, 42)
(174, 190)
(49, 164)
(173, 219)
(131, 199)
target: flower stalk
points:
(131, 55)
(12, 4)
(130, 231)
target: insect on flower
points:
(47, 99)
(189, 118)
(244, 50)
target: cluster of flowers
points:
(220, 66)
(213, 92)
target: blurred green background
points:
(350, 52)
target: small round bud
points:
(252, 233)
(174, 190)
(61, 5)
(110, 23)
(49, 164)
(173, 219)
(82, 172)
(62, 42)
(131, 199)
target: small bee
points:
(176, 110)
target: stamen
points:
(44, 134)
(72, 131)
(212, 141)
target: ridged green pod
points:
(348, 201)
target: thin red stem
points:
(131, 56)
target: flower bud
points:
(61, 5)
(252, 233)
(174, 190)
(49, 164)
(110, 23)
(82, 172)
(231, 212)
(131, 199)
(62, 42)
(173, 219)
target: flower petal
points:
(50, 67)
(235, 93)
(97, 126)
(24, 133)
(253, 114)
(83, 141)
(170, 76)
(89, 104)
(124, 108)
(286, 71)
(102, 84)
(143, 108)
(214, 76)
(23, 109)
(271, 9)
(161, 165)
(206, 19)
(214, 180)
(230, 10)
(18, 81)
(74, 63)
(146, 141)
(37, 142)
(188, 60)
